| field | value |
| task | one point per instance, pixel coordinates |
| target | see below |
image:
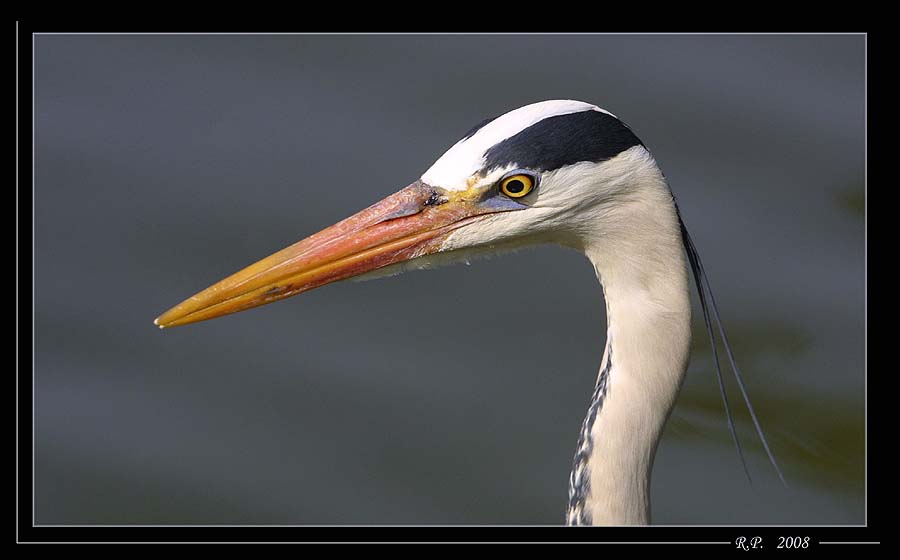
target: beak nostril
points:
(435, 199)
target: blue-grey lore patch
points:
(579, 479)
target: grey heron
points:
(563, 172)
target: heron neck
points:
(641, 265)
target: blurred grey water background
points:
(164, 163)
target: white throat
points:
(640, 261)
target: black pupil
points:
(516, 186)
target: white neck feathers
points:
(639, 259)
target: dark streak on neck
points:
(579, 479)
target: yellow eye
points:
(516, 186)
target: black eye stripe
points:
(562, 140)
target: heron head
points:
(553, 171)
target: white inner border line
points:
(376, 34)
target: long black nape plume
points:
(704, 288)
(693, 258)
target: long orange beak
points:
(408, 224)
